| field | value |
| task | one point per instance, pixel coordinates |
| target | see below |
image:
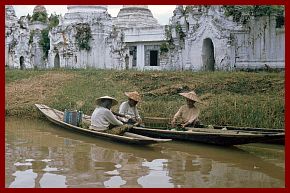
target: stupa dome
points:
(86, 8)
(135, 16)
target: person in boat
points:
(187, 115)
(129, 109)
(104, 120)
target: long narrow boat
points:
(280, 141)
(211, 136)
(216, 135)
(56, 117)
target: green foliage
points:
(31, 37)
(45, 42)
(262, 10)
(235, 11)
(83, 36)
(164, 48)
(39, 16)
(53, 21)
(188, 9)
(179, 31)
(241, 13)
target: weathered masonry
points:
(197, 38)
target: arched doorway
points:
(22, 65)
(56, 61)
(208, 55)
(127, 62)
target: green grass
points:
(14, 75)
(254, 99)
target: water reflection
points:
(209, 166)
(157, 175)
(38, 176)
(39, 154)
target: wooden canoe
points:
(216, 135)
(56, 117)
(280, 141)
(159, 122)
(263, 135)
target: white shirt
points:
(126, 109)
(102, 118)
(186, 114)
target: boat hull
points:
(215, 134)
(55, 117)
(224, 138)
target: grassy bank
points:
(234, 98)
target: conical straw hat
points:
(134, 96)
(114, 101)
(192, 96)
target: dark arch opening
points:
(22, 65)
(56, 61)
(127, 62)
(208, 55)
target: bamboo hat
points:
(192, 96)
(114, 101)
(134, 96)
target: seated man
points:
(104, 120)
(129, 109)
(187, 115)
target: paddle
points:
(118, 114)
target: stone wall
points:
(198, 38)
(204, 38)
(262, 45)
(105, 45)
(22, 38)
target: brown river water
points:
(40, 154)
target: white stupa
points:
(84, 13)
(86, 8)
(135, 16)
